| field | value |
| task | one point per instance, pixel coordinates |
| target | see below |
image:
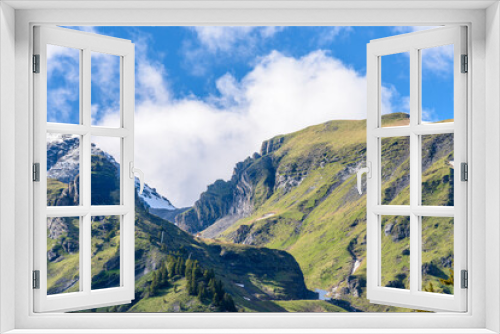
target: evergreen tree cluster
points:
(160, 280)
(199, 282)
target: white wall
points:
(7, 160)
(492, 163)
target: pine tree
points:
(164, 275)
(171, 268)
(182, 266)
(153, 287)
(189, 288)
(201, 293)
(228, 303)
(215, 300)
(196, 271)
(194, 286)
(187, 271)
(211, 285)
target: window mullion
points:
(414, 170)
(85, 172)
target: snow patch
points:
(153, 199)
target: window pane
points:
(63, 255)
(437, 254)
(105, 252)
(63, 84)
(105, 179)
(63, 170)
(395, 169)
(105, 89)
(437, 84)
(395, 252)
(438, 170)
(395, 90)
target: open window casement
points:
(102, 274)
(391, 280)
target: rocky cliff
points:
(301, 197)
(254, 277)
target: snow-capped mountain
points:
(153, 199)
(63, 164)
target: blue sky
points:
(206, 97)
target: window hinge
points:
(464, 171)
(36, 279)
(465, 279)
(465, 64)
(36, 172)
(36, 63)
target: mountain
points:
(299, 195)
(287, 232)
(63, 161)
(256, 278)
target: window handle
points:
(141, 176)
(361, 171)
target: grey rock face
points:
(56, 226)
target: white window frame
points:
(484, 49)
(85, 43)
(413, 43)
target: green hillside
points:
(289, 222)
(315, 213)
(253, 277)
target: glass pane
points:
(395, 90)
(395, 168)
(438, 170)
(105, 89)
(437, 254)
(63, 170)
(437, 84)
(395, 252)
(63, 84)
(105, 252)
(63, 255)
(105, 179)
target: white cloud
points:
(438, 60)
(222, 43)
(185, 144)
(429, 116)
(435, 61)
(408, 29)
(63, 75)
(329, 34)
(392, 101)
(60, 108)
(219, 38)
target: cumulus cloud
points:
(223, 39)
(437, 60)
(63, 75)
(223, 43)
(185, 144)
(329, 34)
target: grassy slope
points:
(267, 274)
(321, 223)
(54, 190)
(323, 230)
